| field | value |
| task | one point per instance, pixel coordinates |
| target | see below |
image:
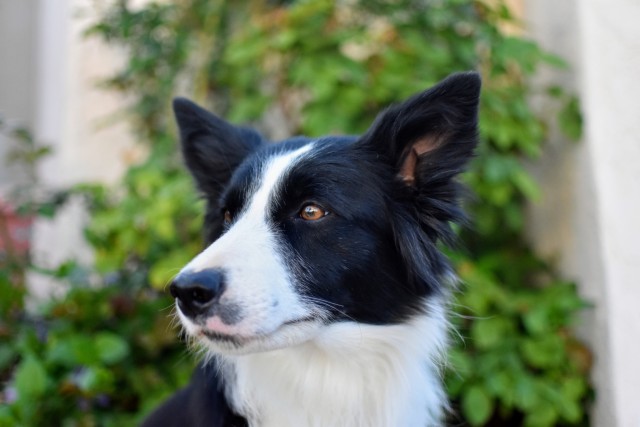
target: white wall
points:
(588, 218)
(74, 117)
(16, 76)
(611, 92)
(73, 114)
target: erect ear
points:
(212, 147)
(431, 135)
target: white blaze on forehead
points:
(251, 224)
(273, 172)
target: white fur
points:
(308, 374)
(350, 374)
(258, 280)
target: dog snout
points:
(197, 292)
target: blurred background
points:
(97, 213)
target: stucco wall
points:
(587, 219)
(17, 59)
(76, 119)
(611, 91)
(73, 113)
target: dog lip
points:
(299, 320)
(216, 336)
(243, 339)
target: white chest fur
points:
(349, 375)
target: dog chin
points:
(286, 335)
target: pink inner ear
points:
(417, 149)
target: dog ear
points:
(431, 135)
(212, 148)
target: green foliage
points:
(25, 151)
(518, 353)
(96, 357)
(102, 355)
(319, 67)
(151, 231)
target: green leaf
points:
(525, 393)
(526, 184)
(74, 349)
(284, 39)
(573, 388)
(570, 119)
(500, 384)
(546, 351)
(537, 320)
(6, 417)
(461, 362)
(571, 411)
(477, 406)
(31, 378)
(487, 333)
(7, 356)
(95, 380)
(541, 416)
(111, 348)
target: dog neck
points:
(351, 374)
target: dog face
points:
(309, 232)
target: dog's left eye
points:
(312, 212)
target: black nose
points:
(197, 292)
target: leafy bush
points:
(101, 355)
(97, 357)
(314, 67)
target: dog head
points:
(311, 231)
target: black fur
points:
(201, 404)
(391, 193)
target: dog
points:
(321, 297)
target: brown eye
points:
(227, 217)
(312, 212)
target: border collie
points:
(321, 298)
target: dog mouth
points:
(240, 340)
(230, 339)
